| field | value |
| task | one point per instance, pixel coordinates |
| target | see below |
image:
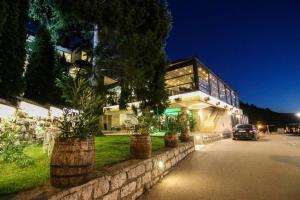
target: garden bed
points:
(109, 150)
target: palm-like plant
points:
(83, 119)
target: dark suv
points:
(245, 131)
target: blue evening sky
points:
(254, 45)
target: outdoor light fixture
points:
(259, 126)
(7, 112)
(200, 113)
(298, 114)
(161, 164)
(206, 98)
(34, 110)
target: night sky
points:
(253, 45)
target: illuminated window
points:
(237, 101)
(214, 86)
(84, 55)
(233, 98)
(222, 92)
(180, 80)
(203, 80)
(228, 95)
(67, 56)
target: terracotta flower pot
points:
(140, 146)
(171, 140)
(72, 162)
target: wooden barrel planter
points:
(184, 137)
(140, 146)
(72, 162)
(171, 140)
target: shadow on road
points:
(264, 139)
(291, 160)
(261, 139)
(292, 135)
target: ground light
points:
(161, 164)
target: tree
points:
(46, 13)
(132, 40)
(3, 16)
(12, 48)
(61, 68)
(133, 35)
(40, 70)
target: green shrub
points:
(11, 147)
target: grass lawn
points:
(109, 149)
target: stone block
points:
(139, 193)
(155, 172)
(148, 165)
(136, 172)
(176, 151)
(101, 187)
(168, 165)
(112, 196)
(73, 196)
(87, 193)
(146, 178)
(128, 189)
(139, 182)
(118, 180)
(173, 162)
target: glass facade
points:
(180, 80)
(233, 98)
(214, 89)
(228, 96)
(203, 80)
(222, 92)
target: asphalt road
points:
(267, 169)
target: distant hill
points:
(267, 116)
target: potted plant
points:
(140, 142)
(184, 126)
(171, 136)
(73, 155)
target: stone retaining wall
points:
(203, 138)
(127, 180)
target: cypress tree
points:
(40, 69)
(3, 15)
(60, 69)
(12, 49)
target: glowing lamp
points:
(259, 126)
(34, 110)
(298, 114)
(161, 164)
(7, 112)
(197, 137)
(200, 113)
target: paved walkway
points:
(268, 169)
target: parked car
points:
(245, 131)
